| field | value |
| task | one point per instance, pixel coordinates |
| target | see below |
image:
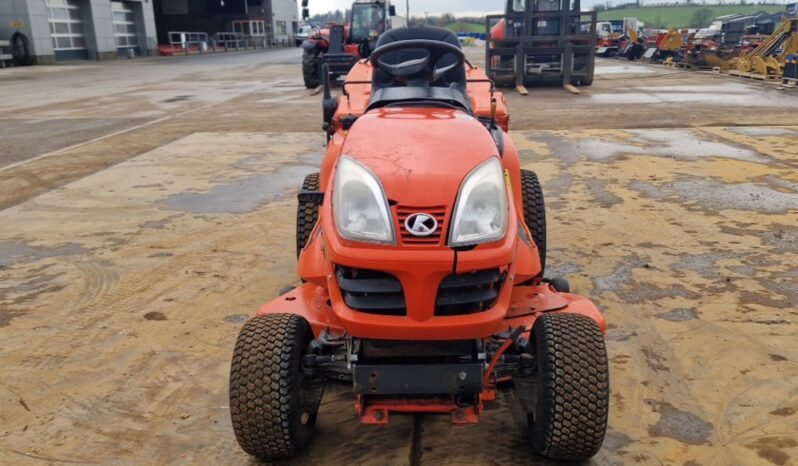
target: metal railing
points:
(199, 42)
(5, 57)
(188, 42)
(228, 41)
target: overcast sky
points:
(418, 7)
(458, 7)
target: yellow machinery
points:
(768, 58)
(672, 42)
(632, 34)
(716, 62)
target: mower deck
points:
(378, 384)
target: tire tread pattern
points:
(573, 387)
(535, 213)
(264, 386)
(307, 213)
(310, 70)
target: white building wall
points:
(35, 26)
(97, 16)
(288, 12)
(148, 37)
(98, 28)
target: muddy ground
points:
(148, 210)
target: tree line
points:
(607, 6)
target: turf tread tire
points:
(310, 70)
(570, 417)
(307, 213)
(265, 380)
(535, 213)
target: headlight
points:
(359, 204)
(480, 215)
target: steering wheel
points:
(415, 68)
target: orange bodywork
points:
(527, 304)
(421, 156)
(498, 30)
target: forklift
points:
(541, 42)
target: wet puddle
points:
(243, 195)
(622, 69)
(679, 315)
(718, 196)
(772, 448)
(236, 318)
(680, 425)
(722, 95)
(17, 252)
(756, 131)
(680, 144)
(598, 189)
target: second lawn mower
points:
(422, 246)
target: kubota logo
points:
(421, 224)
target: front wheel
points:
(567, 399)
(535, 213)
(273, 404)
(307, 214)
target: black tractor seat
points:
(449, 89)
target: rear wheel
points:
(568, 397)
(307, 213)
(535, 213)
(310, 70)
(273, 404)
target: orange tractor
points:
(340, 46)
(422, 250)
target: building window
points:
(253, 28)
(124, 25)
(281, 28)
(66, 26)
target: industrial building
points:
(49, 31)
(56, 30)
(276, 21)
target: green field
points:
(679, 16)
(465, 27)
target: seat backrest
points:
(336, 39)
(455, 77)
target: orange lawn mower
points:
(422, 246)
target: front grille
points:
(371, 291)
(439, 212)
(468, 293)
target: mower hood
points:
(421, 155)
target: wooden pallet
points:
(760, 77)
(789, 82)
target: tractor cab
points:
(340, 46)
(367, 22)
